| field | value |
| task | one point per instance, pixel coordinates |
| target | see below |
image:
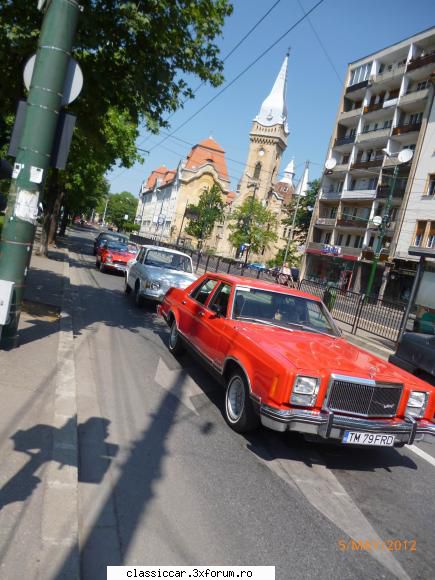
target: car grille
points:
(119, 262)
(368, 400)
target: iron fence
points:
(373, 315)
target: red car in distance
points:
(285, 365)
(114, 256)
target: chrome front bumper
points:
(328, 425)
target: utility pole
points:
(299, 194)
(105, 211)
(254, 183)
(34, 151)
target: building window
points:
(348, 238)
(327, 238)
(257, 170)
(345, 158)
(358, 242)
(340, 240)
(371, 241)
(333, 212)
(421, 226)
(415, 118)
(422, 85)
(431, 188)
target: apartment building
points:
(385, 107)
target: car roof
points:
(112, 235)
(163, 249)
(260, 284)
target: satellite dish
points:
(331, 163)
(405, 155)
(377, 220)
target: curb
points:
(59, 529)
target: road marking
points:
(422, 454)
(324, 492)
(167, 378)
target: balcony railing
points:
(351, 113)
(373, 107)
(420, 61)
(344, 140)
(352, 223)
(383, 191)
(406, 128)
(324, 221)
(377, 162)
(358, 194)
(356, 87)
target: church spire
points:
(274, 108)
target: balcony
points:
(383, 191)
(358, 194)
(406, 128)
(373, 107)
(357, 87)
(387, 75)
(344, 141)
(414, 96)
(330, 194)
(420, 61)
(374, 134)
(377, 162)
(350, 114)
(323, 221)
(352, 223)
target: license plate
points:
(358, 438)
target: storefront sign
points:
(331, 250)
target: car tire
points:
(137, 296)
(127, 289)
(175, 344)
(97, 264)
(102, 267)
(239, 410)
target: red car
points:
(114, 256)
(285, 365)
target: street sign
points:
(73, 79)
(126, 216)
(161, 220)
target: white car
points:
(156, 269)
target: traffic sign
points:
(73, 80)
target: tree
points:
(120, 205)
(293, 257)
(254, 225)
(135, 56)
(208, 211)
(305, 211)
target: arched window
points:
(257, 170)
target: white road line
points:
(325, 493)
(422, 454)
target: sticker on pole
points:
(26, 206)
(36, 174)
(17, 170)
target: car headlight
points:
(109, 258)
(305, 391)
(154, 285)
(416, 404)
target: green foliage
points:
(121, 204)
(2, 220)
(208, 211)
(293, 257)
(253, 224)
(131, 227)
(303, 217)
(135, 58)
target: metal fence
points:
(373, 315)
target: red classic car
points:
(285, 365)
(114, 256)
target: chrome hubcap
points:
(235, 399)
(173, 336)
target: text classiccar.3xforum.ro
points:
(242, 572)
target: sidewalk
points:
(38, 451)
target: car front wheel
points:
(127, 288)
(137, 295)
(239, 411)
(175, 343)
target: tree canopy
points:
(207, 212)
(305, 210)
(253, 224)
(121, 205)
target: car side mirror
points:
(218, 309)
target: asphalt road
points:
(164, 481)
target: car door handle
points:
(201, 313)
(184, 302)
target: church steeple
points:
(274, 108)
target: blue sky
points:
(347, 29)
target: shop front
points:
(329, 265)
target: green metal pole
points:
(33, 158)
(382, 229)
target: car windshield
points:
(281, 309)
(117, 247)
(168, 260)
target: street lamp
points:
(253, 183)
(383, 221)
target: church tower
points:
(268, 140)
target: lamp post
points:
(252, 183)
(404, 156)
